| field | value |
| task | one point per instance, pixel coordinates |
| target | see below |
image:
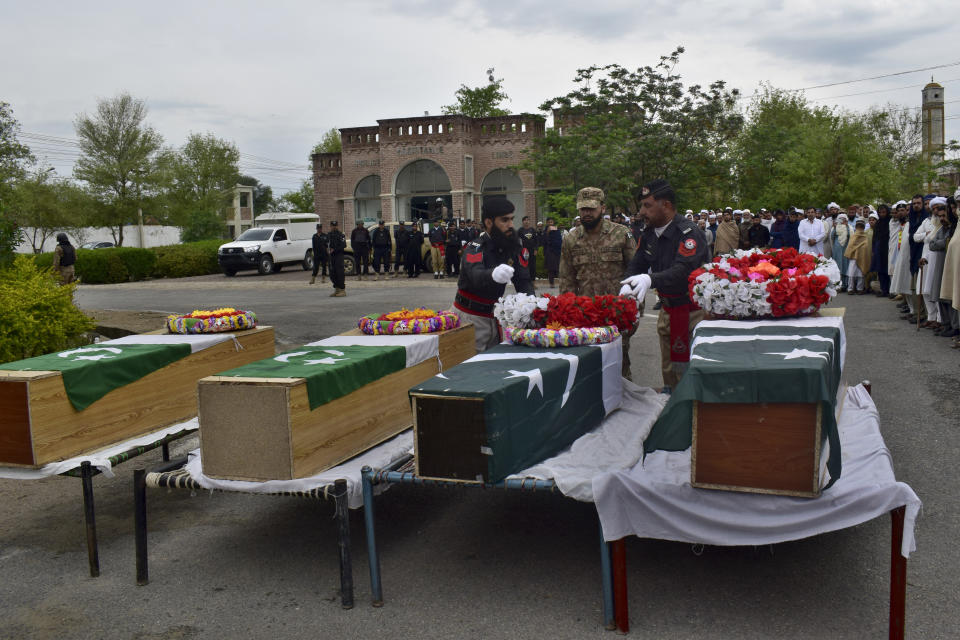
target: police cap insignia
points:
(645, 192)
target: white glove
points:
(502, 273)
(636, 286)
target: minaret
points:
(933, 133)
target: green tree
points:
(15, 157)
(623, 128)
(330, 143)
(791, 153)
(479, 102)
(198, 182)
(117, 158)
(300, 201)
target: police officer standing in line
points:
(452, 250)
(360, 242)
(402, 235)
(320, 256)
(595, 256)
(381, 249)
(670, 248)
(413, 257)
(495, 258)
(337, 243)
(438, 238)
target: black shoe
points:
(657, 306)
(949, 333)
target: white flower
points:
(516, 310)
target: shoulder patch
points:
(688, 247)
(474, 257)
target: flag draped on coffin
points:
(536, 402)
(796, 360)
(330, 372)
(89, 373)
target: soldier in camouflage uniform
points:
(595, 255)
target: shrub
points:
(140, 263)
(188, 259)
(101, 266)
(37, 315)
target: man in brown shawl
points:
(728, 235)
(858, 252)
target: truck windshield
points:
(256, 234)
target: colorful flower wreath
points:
(566, 320)
(764, 283)
(406, 322)
(216, 321)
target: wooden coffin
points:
(758, 448)
(493, 415)
(39, 425)
(261, 428)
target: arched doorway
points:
(366, 200)
(503, 183)
(422, 190)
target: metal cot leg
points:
(89, 516)
(165, 451)
(606, 577)
(140, 524)
(622, 612)
(343, 543)
(376, 589)
(898, 576)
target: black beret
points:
(496, 207)
(655, 188)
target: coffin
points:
(511, 407)
(758, 405)
(302, 412)
(48, 415)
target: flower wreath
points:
(216, 321)
(764, 283)
(406, 321)
(566, 320)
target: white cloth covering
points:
(654, 499)
(617, 443)
(99, 459)
(419, 347)
(376, 457)
(197, 342)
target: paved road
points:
(467, 563)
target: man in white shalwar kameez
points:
(900, 271)
(932, 263)
(811, 234)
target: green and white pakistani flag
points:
(91, 372)
(536, 402)
(775, 361)
(330, 372)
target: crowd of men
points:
(904, 251)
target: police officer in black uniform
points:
(381, 249)
(530, 240)
(451, 251)
(320, 255)
(670, 248)
(402, 235)
(488, 263)
(413, 258)
(337, 243)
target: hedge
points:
(125, 264)
(37, 315)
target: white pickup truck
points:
(278, 239)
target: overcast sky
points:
(273, 76)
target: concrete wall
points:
(153, 236)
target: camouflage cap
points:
(589, 198)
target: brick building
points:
(408, 168)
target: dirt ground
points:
(112, 323)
